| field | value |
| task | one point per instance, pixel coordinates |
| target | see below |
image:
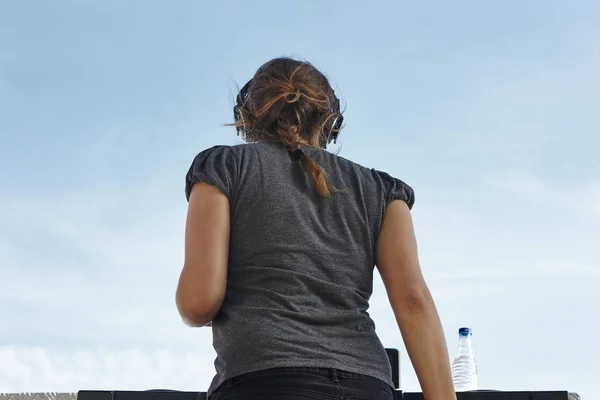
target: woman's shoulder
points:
(226, 151)
(221, 149)
(393, 187)
(217, 165)
(358, 167)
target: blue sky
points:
(489, 110)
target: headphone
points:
(331, 137)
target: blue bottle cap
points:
(465, 331)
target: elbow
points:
(196, 313)
(198, 304)
(415, 301)
(194, 319)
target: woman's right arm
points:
(412, 303)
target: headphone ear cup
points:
(337, 123)
(332, 137)
(237, 116)
(237, 109)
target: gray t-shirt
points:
(300, 271)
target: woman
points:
(281, 242)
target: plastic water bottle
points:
(464, 367)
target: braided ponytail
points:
(290, 138)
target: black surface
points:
(481, 395)
(549, 395)
(498, 395)
(176, 395)
(394, 357)
(139, 395)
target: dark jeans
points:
(299, 383)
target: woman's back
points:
(281, 241)
(300, 271)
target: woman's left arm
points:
(203, 280)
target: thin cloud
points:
(41, 369)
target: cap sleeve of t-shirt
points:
(395, 189)
(216, 166)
